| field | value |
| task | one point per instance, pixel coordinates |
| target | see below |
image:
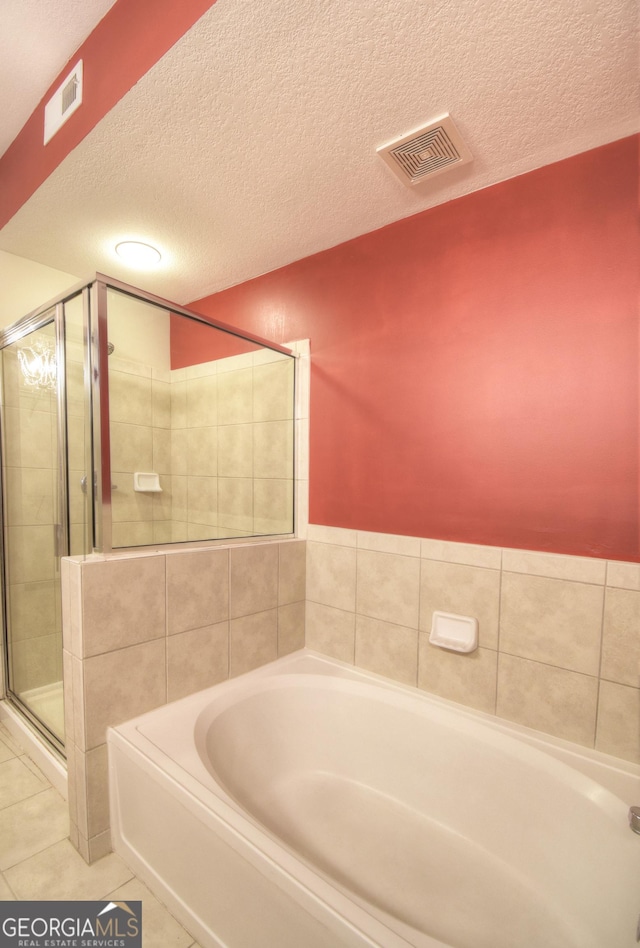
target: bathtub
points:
(308, 804)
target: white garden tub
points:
(309, 804)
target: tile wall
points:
(559, 636)
(219, 434)
(141, 630)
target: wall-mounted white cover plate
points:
(458, 633)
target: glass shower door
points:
(35, 531)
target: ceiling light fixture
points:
(137, 254)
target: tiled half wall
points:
(142, 630)
(559, 636)
(559, 648)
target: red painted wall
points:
(132, 36)
(475, 367)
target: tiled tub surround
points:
(219, 434)
(144, 629)
(559, 636)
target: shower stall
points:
(127, 422)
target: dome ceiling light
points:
(137, 254)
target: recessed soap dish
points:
(147, 482)
(457, 633)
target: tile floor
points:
(37, 861)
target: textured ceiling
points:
(252, 143)
(38, 38)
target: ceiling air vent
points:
(426, 151)
(63, 103)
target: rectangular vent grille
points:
(69, 94)
(426, 152)
(63, 103)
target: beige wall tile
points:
(30, 496)
(32, 608)
(179, 498)
(462, 590)
(291, 621)
(619, 721)
(388, 543)
(197, 589)
(336, 536)
(331, 575)
(331, 631)
(578, 568)
(163, 502)
(160, 404)
(30, 554)
(292, 571)
(178, 402)
(621, 637)
(72, 605)
(388, 587)
(272, 506)
(235, 450)
(553, 621)
(76, 786)
(553, 700)
(387, 649)
(197, 659)
(201, 370)
(35, 662)
(466, 554)
(202, 451)
(99, 847)
(132, 533)
(624, 575)
(131, 447)
(123, 602)
(204, 500)
(121, 685)
(253, 584)
(161, 446)
(273, 449)
(235, 504)
(179, 451)
(97, 783)
(253, 641)
(198, 531)
(129, 398)
(127, 504)
(79, 733)
(67, 686)
(76, 442)
(179, 532)
(273, 390)
(235, 397)
(162, 531)
(469, 678)
(202, 402)
(28, 438)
